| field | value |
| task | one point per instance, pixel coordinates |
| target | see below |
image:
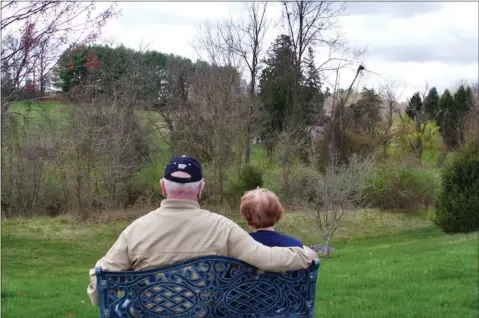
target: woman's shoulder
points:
(291, 240)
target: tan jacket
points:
(178, 231)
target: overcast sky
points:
(408, 42)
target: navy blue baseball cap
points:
(184, 164)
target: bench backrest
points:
(209, 286)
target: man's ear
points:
(200, 191)
(163, 188)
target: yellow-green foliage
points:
(429, 134)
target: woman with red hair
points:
(262, 209)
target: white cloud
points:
(445, 28)
(156, 36)
(436, 43)
(440, 47)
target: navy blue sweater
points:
(272, 238)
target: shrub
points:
(294, 186)
(334, 193)
(458, 199)
(250, 178)
(146, 182)
(401, 188)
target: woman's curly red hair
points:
(261, 208)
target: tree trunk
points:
(419, 148)
(247, 143)
(441, 159)
(240, 155)
(327, 244)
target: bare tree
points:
(291, 182)
(341, 187)
(336, 135)
(33, 36)
(171, 99)
(43, 60)
(23, 166)
(307, 22)
(217, 105)
(390, 94)
(109, 147)
(209, 45)
(310, 24)
(245, 39)
(208, 124)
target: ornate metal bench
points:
(209, 286)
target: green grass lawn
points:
(420, 273)
(41, 111)
(414, 274)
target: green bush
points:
(250, 178)
(401, 188)
(146, 182)
(294, 186)
(458, 199)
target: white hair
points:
(182, 188)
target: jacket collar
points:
(179, 204)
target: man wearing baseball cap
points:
(180, 230)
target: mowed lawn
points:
(417, 273)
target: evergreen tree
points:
(290, 100)
(431, 103)
(365, 114)
(462, 105)
(458, 199)
(447, 119)
(163, 77)
(415, 106)
(462, 100)
(313, 95)
(277, 82)
(470, 98)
